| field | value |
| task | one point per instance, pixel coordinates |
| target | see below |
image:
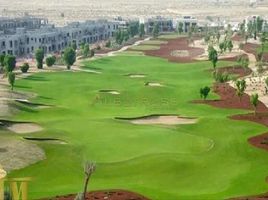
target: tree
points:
(213, 56)
(244, 62)
(254, 102)
(9, 63)
(263, 40)
(86, 50)
(2, 58)
(39, 57)
(108, 44)
(141, 30)
(242, 29)
(259, 24)
(218, 37)
(133, 28)
(125, 36)
(230, 45)
(11, 79)
(207, 38)
(221, 46)
(266, 87)
(246, 38)
(240, 88)
(74, 45)
(259, 56)
(24, 68)
(69, 57)
(88, 170)
(156, 30)
(180, 28)
(118, 37)
(92, 53)
(204, 92)
(50, 61)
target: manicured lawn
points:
(145, 47)
(208, 160)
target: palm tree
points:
(213, 56)
(254, 99)
(89, 168)
(240, 88)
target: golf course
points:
(99, 114)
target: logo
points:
(18, 187)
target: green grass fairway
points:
(208, 160)
(145, 47)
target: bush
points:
(108, 44)
(221, 77)
(92, 53)
(50, 61)
(24, 68)
(39, 56)
(10, 63)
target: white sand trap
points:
(136, 75)
(22, 128)
(154, 84)
(113, 92)
(164, 120)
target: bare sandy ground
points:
(17, 154)
(164, 120)
(201, 44)
(62, 12)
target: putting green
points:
(207, 160)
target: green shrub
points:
(24, 68)
(92, 53)
(50, 61)
(221, 77)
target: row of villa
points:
(22, 36)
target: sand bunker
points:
(180, 53)
(136, 75)
(46, 140)
(19, 154)
(20, 127)
(161, 119)
(154, 84)
(114, 92)
(31, 104)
